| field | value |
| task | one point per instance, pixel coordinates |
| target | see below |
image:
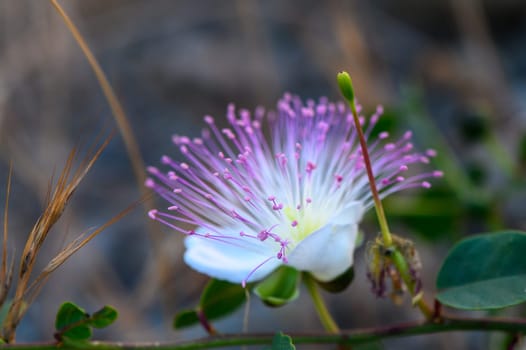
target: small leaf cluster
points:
(74, 326)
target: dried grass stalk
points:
(6, 272)
(56, 201)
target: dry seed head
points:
(380, 267)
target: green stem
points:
(403, 269)
(321, 309)
(357, 336)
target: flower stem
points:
(401, 265)
(384, 227)
(345, 83)
(321, 309)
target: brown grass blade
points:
(59, 197)
(122, 122)
(73, 247)
(6, 272)
(116, 108)
(162, 261)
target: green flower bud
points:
(345, 84)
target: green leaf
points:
(279, 288)
(340, 283)
(68, 314)
(71, 322)
(104, 317)
(77, 334)
(221, 298)
(282, 342)
(484, 272)
(185, 319)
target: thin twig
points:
(357, 336)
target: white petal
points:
(326, 253)
(229, 262)
(350, 214)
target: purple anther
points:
(263, 235)
(149, 183)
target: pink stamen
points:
(431, 153)
(310, 167)
(149, 183)
(244, 282)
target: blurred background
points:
(451, 71)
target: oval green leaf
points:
(69, 314)
(77, 333)
(104, 317)
(279, 288)
(71, 322)
(484, 272)
(185, 319)
(221, 298)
